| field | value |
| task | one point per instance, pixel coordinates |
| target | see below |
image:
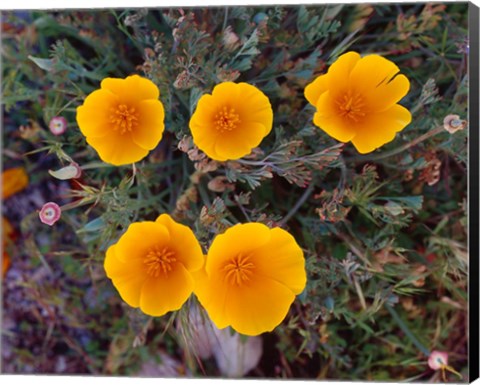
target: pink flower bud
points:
(453, 123)
(58, 125)
(72, 171)
(437, 360)
(230, 38)
(50, 213)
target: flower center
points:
(124, 118)
(159, 260)
(226, 119)
(49, 213)
(351, 106)
(239, 270)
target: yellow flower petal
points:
(188, 249)
(316, 88)
(150, 129)
(139, 238)
(329, 120)
(287, 265)
(160, 296)
(127, 278)
(132, 88)
(211, 298)
(258, 308)
(255, 108)
(118, 268)
(226, 92)
(201, 122)
(144, 88)
(250, 310)
(387, 94)
(208, 105)
(371, 72)
(242, 237)
(93, 116)
(208, 147)
(234, 145)
(129, 288)
(250, 134)
(339, 72)
(380, 128)
(117, 150)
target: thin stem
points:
(407, 331)
(400, 149)
(358, 288)
(77, 203)
(414, 110)
(354, 248)
(225, 19)
(343, 176)
(95, 165)
(306, 194)
(242, 209)
(266, 162)
(203, 194)
(122, 28)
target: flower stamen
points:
(351, 106)
(124, 118)
(239, 270)
(159, 260)
(226, 119)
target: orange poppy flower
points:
(8, 235)
(123, 120)
(230, 122)
(151, 265)
(13, 180)
(5, 262)
(251, 277)
(356, 101)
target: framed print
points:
(256, 191)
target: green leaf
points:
(242, 60)
(394, 208)
(412, 202)
(92, 226)
(44, 64)
(195, 94)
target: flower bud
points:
(453, 123)
(50, 213)
(220, 184)
(437, 359)
(58, 125)
(185, 143)
(72, 171)
(230, 39)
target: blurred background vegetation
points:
(384, 234)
